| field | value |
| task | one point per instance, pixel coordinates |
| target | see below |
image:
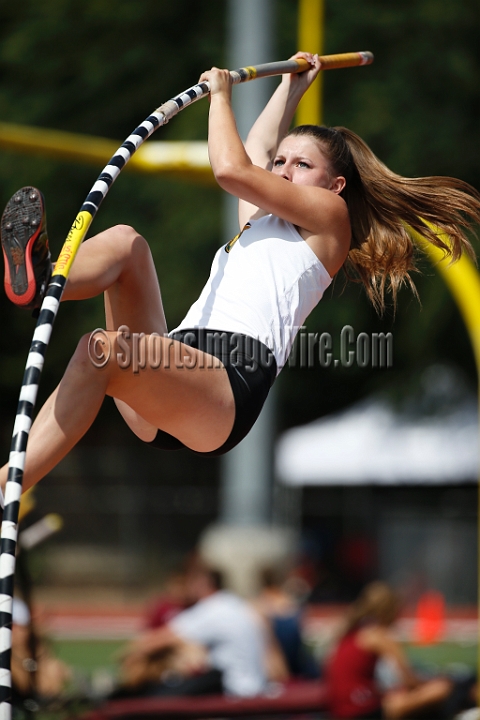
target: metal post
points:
(247, 470)
(244, 542)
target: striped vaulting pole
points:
(48, 312)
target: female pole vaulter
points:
(311, 201)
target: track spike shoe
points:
(28, 263)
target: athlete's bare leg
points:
(194, 404)
(132, 298)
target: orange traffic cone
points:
(430, 618)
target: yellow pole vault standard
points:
(310, 39)
(463, 281)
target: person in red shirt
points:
(172, 601)
(350, 671)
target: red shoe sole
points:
(20, 226)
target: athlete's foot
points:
(28, 264)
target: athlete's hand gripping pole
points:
(49, 309)
(297, 65)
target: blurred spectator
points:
(43, 676)
(217, 645)
(283, 613)
(172, 601)
(350, 672)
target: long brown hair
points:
(380, 203)
(377, 604)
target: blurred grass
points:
(88, 656)
(443, 656)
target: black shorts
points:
(251, 369)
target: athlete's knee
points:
(131, 246)
(128, 238)
(124, 233)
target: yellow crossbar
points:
(187, 158)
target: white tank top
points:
(263, 283)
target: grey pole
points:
(247, 470)
(244, 542)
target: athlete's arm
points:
(321, 213)
(155, 640)
(273, 124)
(378, 640)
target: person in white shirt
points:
(228, 629)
